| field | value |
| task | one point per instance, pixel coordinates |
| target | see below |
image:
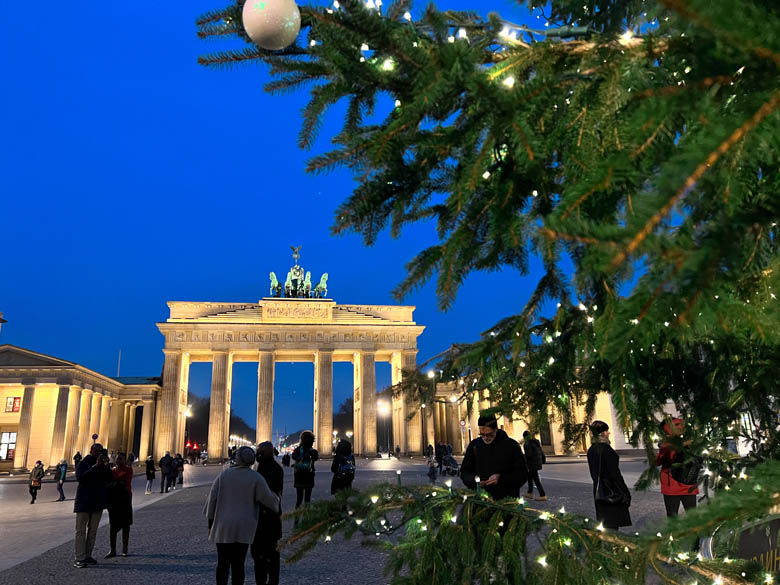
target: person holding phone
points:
(93, 475)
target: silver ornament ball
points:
(272, 24)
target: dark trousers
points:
(672, 503)
(303, 495)
(125, 530)
(267, 562)
(170, 481)
(533, 478)
(230, 559)
(33, 493)
(59, 489)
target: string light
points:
(408, 16)
(509, 81)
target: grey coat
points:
(234, 505)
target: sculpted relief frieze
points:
(296, 311)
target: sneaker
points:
(80, 565)
(111, 554)
(541, 499)
(90, 561)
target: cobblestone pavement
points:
(168, 541)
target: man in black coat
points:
(166, 466)
(496, 459)
(93, 475)
(269, 526)
(534, 459)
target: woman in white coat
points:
(233, 508)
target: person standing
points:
(93, 475)
(149, 474)
(534, 459)
(120, 505)
(77, 459)
(233, 512)
(179, 469)
(611, 495)
(166, 463)
(439, 455)
(269, 526)
(496, 459)
(398, 452)
(674, 470)
(432, 470)
(36, 477)
(303, 477)
(343, 467)
(59, 477)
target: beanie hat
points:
(245, 456)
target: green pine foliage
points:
(637, 156)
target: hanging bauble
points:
(272, 24)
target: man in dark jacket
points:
(93, 475)
(166, 465)
(496, 459)
(534, 458)
(269, 526)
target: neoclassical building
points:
(51, 408)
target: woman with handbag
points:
(610, 493)
(36, 476)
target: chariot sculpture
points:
(298, 284)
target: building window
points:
(13, 403)
(7, 446)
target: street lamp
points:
(187, 416)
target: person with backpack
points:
(679, 470)
(59, 477)
(269, 526)
(611, 495)
(303, 477)
(36, 476)
(343, 467)
(534, 459)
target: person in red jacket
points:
(674, 492)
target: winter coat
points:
(166, 464)
(503, 456)
(669, 486)
(341, 481)
(91, 493)
(603, 459)
(233, 505)
(269, 525)
(120, 497)
(150, 469)
(60, 472)
(534, 456)
(304, 477)
(37, 473)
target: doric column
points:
(94, 417)
(357, 417)
(399, 403)
(323, 401)
(105, 420)
(125, 426)
(84, 415)
(72, 424)
(218, 433)
(131, 429)
(430, 437)
(453, 427)
(147, 417)
(116, 421)
(60, 422)
(265, 396)
(25, 427)
(414, 434)
(169, 403)
(368, 407)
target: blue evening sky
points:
(132, 176)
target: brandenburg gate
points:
(301, 326)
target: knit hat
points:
(597, 427)
(245, 456)
(487, 420)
